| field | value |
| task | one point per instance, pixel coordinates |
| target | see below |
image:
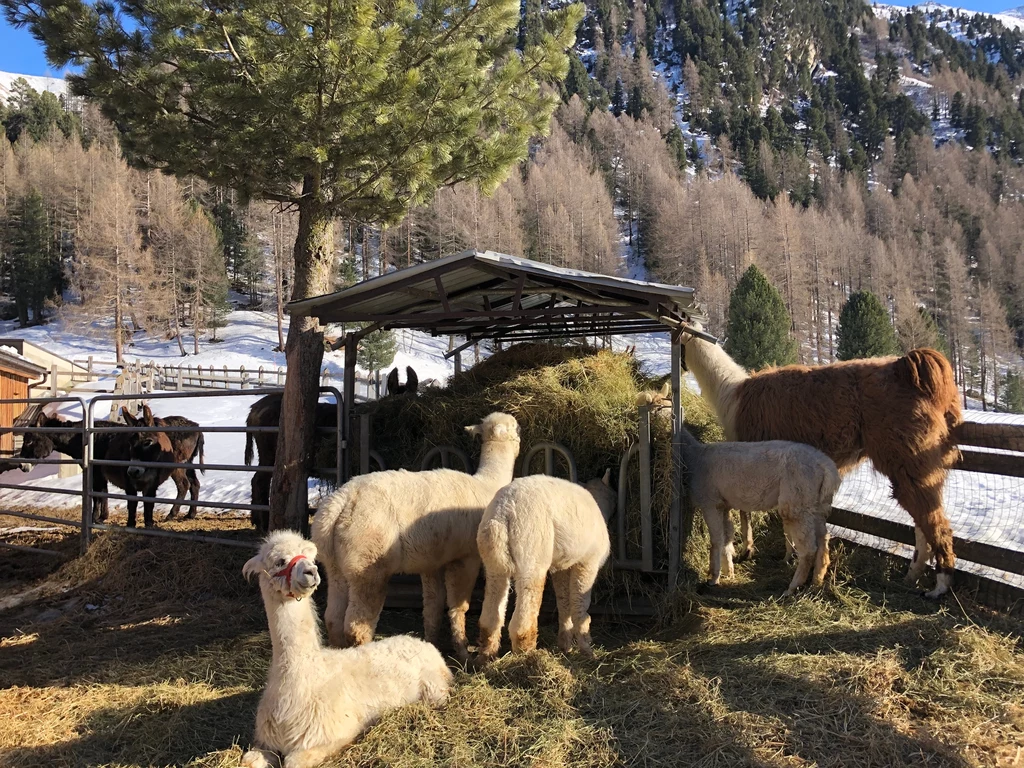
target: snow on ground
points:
(885, 10)
(981, 507)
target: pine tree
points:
(1012, 400)
(32, 247)
(353, 109)
(377, 350)
(864, 329)
(757, 333)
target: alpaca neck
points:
(717, 374)
(294, 631)
(497, 461)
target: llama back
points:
(817, 407)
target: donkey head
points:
(145, 446)
(412, 382)
(38, 445)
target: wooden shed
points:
(17, 376)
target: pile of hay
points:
(574, 395)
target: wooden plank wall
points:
(11, 387)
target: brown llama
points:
(899, 412)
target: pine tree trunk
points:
(314, 251)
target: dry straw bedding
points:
(154, 652)
(168, 670)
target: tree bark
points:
(304, 352)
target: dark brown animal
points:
(898, 412)
(266, 412)
(39, 445)
(174, 447)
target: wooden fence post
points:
(53, 380)
(243, 381)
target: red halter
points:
(287, 572)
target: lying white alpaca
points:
(318, 700)
(794, 478)
(534, 526)
(392, 522)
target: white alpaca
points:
(534, 526)
(411, 522)
(794, 478)
(318, 700)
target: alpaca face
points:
(288, 564)
(496, 427)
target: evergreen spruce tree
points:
(1013, 393)
(377, 350)
(32, 247)
(864, 329)
(757, 335)
(338, 108)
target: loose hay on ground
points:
(853, 676)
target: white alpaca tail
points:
(493, 542)
(325, 519)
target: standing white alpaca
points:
(318, 700)
(534, 526)
(411, 522)
(794, 478)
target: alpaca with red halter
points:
(318, 700)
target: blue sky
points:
(20, 53)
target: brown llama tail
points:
(249, 440)
(202, 453)
(929, 372)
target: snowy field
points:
(985, 508)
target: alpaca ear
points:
(253, 567)
(666, 390)
(607, 479)
(473, 430)
(392, 382)
(412, 381)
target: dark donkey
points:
(39, 445)
(266, 412)
(164, 447)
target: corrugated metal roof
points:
(488, 294)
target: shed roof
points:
(482, 295)
(12, 362)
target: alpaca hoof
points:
(936, 594)
(483, 660)
(746, 554)
(257, 758)
(170, 516)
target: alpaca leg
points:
(729, 534)
(147, 510)
(563, 591)
(523, 627)
(314, 756)
(460, 578)
(747, 529)
(366, 600)
(433, 605)
(821, 558)
(492, 616)
(801, 531)
(940, 536)
(133, 507)
(581, 583)
(713, 520)
(260, 758)
(921, 495)
(922, 554)
(337, 605)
